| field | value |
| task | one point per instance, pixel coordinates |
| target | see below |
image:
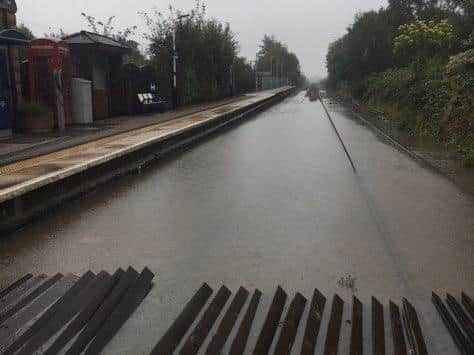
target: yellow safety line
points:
(101, 148)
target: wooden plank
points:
(313, 323)
(463, 319)
(240, 342)
(71, 292)
(271, 323)
(96, 298)
(12, 331)
(15, 285)
(414, 328)
(409, 333)
(468, 304)
(378, 328)
(290, 326)
(21, 291)
(170, 341)
(399, 344)
(460, 340)
(129, 303)
(22, 302)
(103, 312)
(356, 347)
(334, 327)
(62, 316)
(199, 334)
(227, 324)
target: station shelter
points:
(99, 59)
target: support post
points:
(174, 93)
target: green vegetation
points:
(31, 109)
(243, 75)
(34, 117)
(107, 28)
(23, 29)
(209, 67)
(420, 40)
(274, 57)
(415, 61)
(205, 47)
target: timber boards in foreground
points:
(71, 314)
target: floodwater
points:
(273, 201)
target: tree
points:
(97, 26)
(337, 63)
(275, 58)
(365, 48)
(106, 28)
(59, 35)
(206, 50)
(243, 75)
(421, 40)
(23, 29)
(368, 45)
(401, 12)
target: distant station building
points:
(10, 75)
(99, 59)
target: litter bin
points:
(82, 101)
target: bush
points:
(390, 85)
(34, 117)
(420, 40)
(430, 97)
(469, 158)
(460, 63)
(31, 109)
(438, 104)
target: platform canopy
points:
(13, 37)
(95, 40)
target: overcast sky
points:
(306, 26)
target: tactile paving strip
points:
(24, 176)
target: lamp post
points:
(257, 57)
(232, 89)
(174, 93)
(272, 78)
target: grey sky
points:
(306, 26)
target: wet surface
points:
(273, 201)
(443, 158)
(21, 147)
(83, 157)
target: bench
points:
(150, 102)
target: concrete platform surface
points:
(17, 147)
(24, 176)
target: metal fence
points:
(271, 82)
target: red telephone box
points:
(50, 76)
